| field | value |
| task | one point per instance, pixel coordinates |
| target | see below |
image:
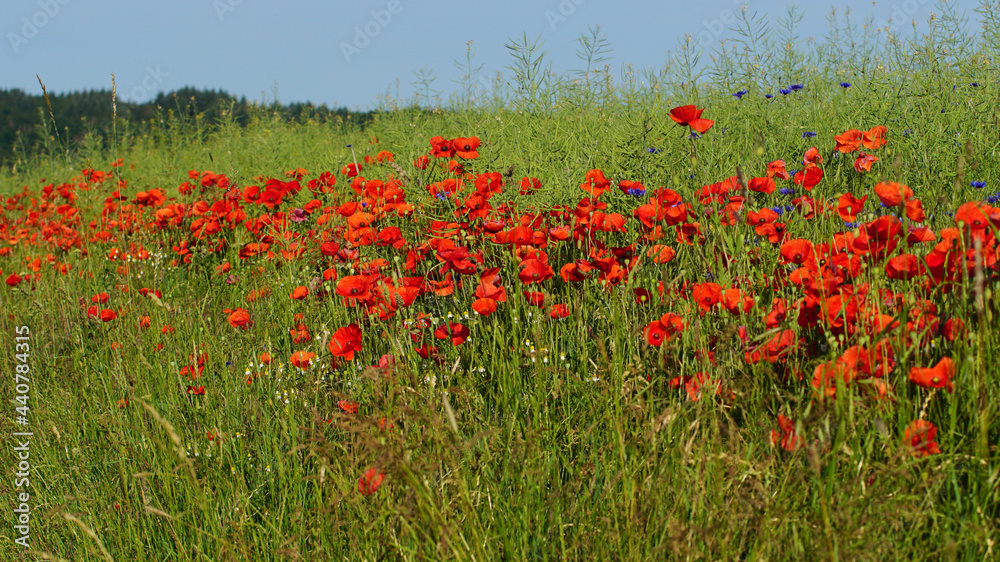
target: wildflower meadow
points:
(742, 311)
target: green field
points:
(228, 343)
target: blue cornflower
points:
(845, 84)
(796, 87)
(652, 150)
(907, 132)
(786, 191)
(808, 135)
(779, 210)
(709, 276)
(789, 208)
(690, 176)
(850, 225)
(784, 91)
(740, 94)
(974, 84)
(991, 199)
(636, 192)
(442, 196)
(793, 172)
(350, 145)
(978, 184)
(694, 135)
(768, 96)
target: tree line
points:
(26, 120)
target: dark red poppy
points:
(346, 341)
(762, 185)
(558, 311)
(454, 331)
(904, 266)
(535, 271)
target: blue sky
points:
(350, 53)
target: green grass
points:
(536, 438)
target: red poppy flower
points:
(736, 302)
(529, 186)
(848, 141)
(762, 185)
(299, 293)
(348, 406)
(484, 306)
(706, 295)
(595, 183)
(973, 217)
(535, 271)
(919, 438)
(559, 311)
(466, 147)
(938, 376)
(107, 315)
(534, 298)
(863, 163)
(904, 266)
(915, 210)
(370, 481)
(300, 333)
(455, 331)
(239, 318)
(777, 169)
(786, 437)
(355, 287)
(892, 194)
(809, 177)
(875, 137)
(797, 251)
(13, 280)
(302, 359)
(99, 298)
(196, 390)
(351, 170)
(690, 115)
(346, 341)
(442, 148)
(656, 333)
(848, 206)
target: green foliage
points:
(536, 438)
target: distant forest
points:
(25, 120)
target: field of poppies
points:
(694, 324)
